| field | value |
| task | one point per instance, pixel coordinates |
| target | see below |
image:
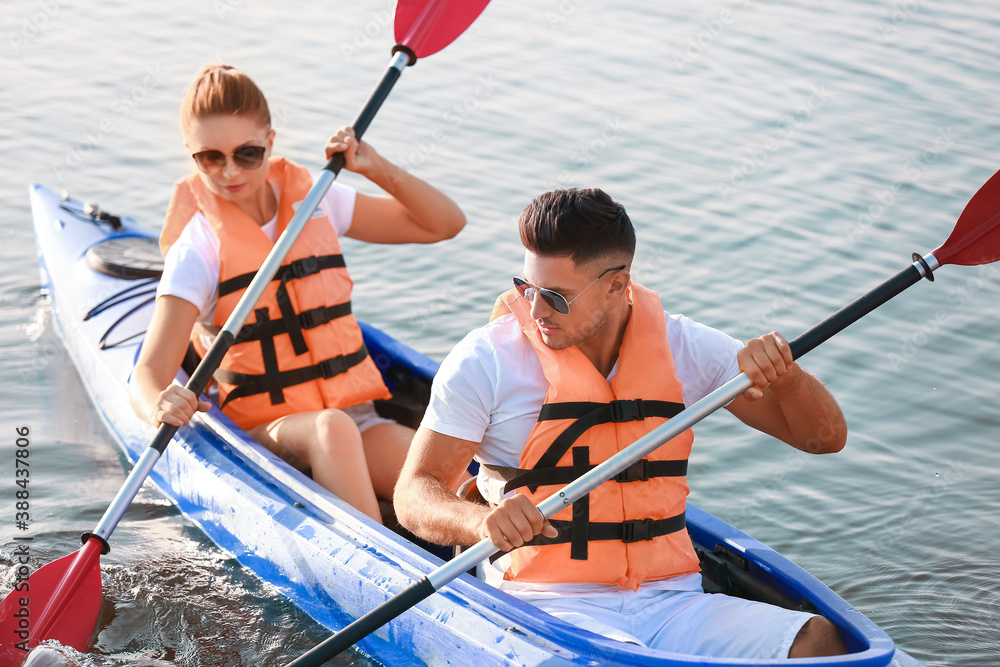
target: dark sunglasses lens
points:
(210, 160)
(249, 157)
(555, 300)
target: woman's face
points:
(228, 145)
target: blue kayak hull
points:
(324, 556)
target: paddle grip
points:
(364, 626)
(857, 309)
(197, 383)
(372, 105)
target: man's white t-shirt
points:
(191, 267)
(491, 387)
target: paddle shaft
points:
(412, 595)
(213, 358)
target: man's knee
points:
(817, 637)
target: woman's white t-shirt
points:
(191, 267)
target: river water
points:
(778, 160)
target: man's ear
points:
(620, 282)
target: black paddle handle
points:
(197, 383)
(364, 119)
(364, 626)
(854, 311)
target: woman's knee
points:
(336, 430)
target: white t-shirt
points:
(490, 389)
(191, 267)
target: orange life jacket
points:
(302, 349)
(631, 528)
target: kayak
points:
(100, 273)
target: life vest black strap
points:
(249, 385)
(640, 471)
(590, 414)
(299, 268)
(308, 319)
(270, 357)
(581, 508)
(294, 270)
(626, 531)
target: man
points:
(577, 363)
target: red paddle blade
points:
(976, 237)
(70, 588)
(427, 26)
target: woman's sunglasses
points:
(244, 157)
(555, 300)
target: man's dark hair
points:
(582, 224)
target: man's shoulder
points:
(497, 338)
(684, 327)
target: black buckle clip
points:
(311, 319)
(637, 472)
(637, 531)
(301, 268)
(330, 367)
(627, 411)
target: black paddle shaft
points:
(857, 309)
(371, 107)
(340, 641)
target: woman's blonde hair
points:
(226, 91)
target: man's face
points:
(587, 317)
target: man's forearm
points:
(815, 421)
(432, 511)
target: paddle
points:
(975, 240)
(62, 599)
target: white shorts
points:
(680, 621)
(365, 416)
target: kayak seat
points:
(127, 257)
(723, 570)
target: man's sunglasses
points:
(555, 300)
(244, 157)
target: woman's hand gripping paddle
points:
(975, 240)
(62, 599)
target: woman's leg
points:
(385, 447)
(327, 443)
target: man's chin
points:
(555, 342)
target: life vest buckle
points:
(304, 267)
(627, 411)
(637, 472)
(311, 319)
(637, 530)
(331, 367)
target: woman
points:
(298, 378)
